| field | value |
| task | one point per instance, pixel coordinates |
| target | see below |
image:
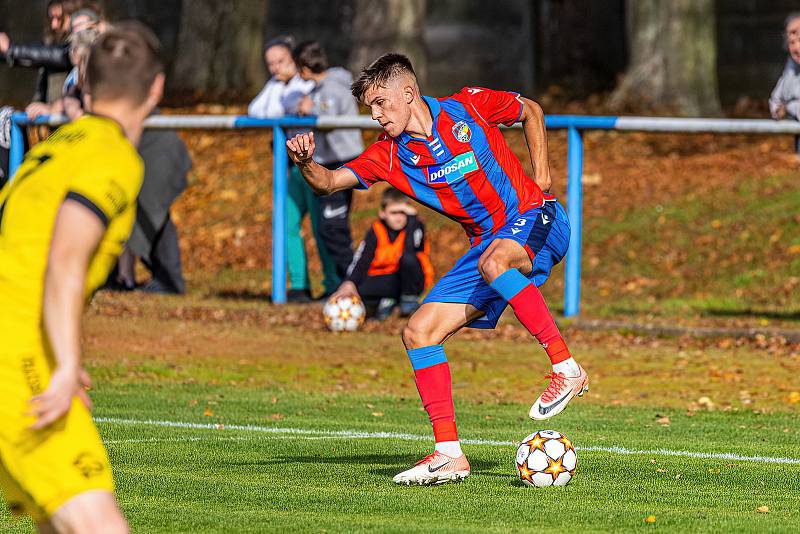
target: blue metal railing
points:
(574, 124)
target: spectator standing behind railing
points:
(51, 56)
(281, 96)
(331, 96)
(785, 99)
(154, 238)
(85, 27)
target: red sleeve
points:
(374, 163)
(494, 107)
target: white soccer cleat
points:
(436, 468)
(558, 393)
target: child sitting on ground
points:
(392, 264)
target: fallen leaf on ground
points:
(706, 403)
(762, 509)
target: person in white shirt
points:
(281, 96)
(784, 102)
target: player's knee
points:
(416, 335)
(492, 265)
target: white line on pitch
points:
(195, 439)
(355, 434)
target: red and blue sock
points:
(530, 308)
(435, 386)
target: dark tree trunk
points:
(382, 26)
(219, 47)
(673, 56)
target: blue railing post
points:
(572, 288)
(16, 149)
(280, 170)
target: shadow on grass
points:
(755, 314)
(618, 311)
(241, 294)
(383, 464)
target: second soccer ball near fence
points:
(344, 314)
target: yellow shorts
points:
(42, 469)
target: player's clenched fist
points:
(301, 147)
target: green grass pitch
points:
(308, 472)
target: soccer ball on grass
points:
(546, 458)
(344, 314)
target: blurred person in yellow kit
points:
(63, 221)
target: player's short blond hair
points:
(380, 71)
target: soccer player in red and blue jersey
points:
(449, 154)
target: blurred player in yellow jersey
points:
(63, 221)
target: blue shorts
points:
(543, 232)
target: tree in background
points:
(381, 26)
(220, 45)
(673, 57)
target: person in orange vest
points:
(392, 264)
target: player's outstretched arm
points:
(536, 138)
(323, 181)
(76, 235)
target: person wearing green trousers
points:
(281, 96)
(302, 200)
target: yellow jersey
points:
(89, 161)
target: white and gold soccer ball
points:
(344, 314)
(546, 458)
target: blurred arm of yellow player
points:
(76, 235)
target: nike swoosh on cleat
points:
(437, 468)
(545, 411)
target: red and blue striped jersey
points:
(465, 169)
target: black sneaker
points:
(119, 285)
(408, 305)
(385, 307)
(298, 296)
(157, 287)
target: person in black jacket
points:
(51, 56)
(154, 238)
(392, 264)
